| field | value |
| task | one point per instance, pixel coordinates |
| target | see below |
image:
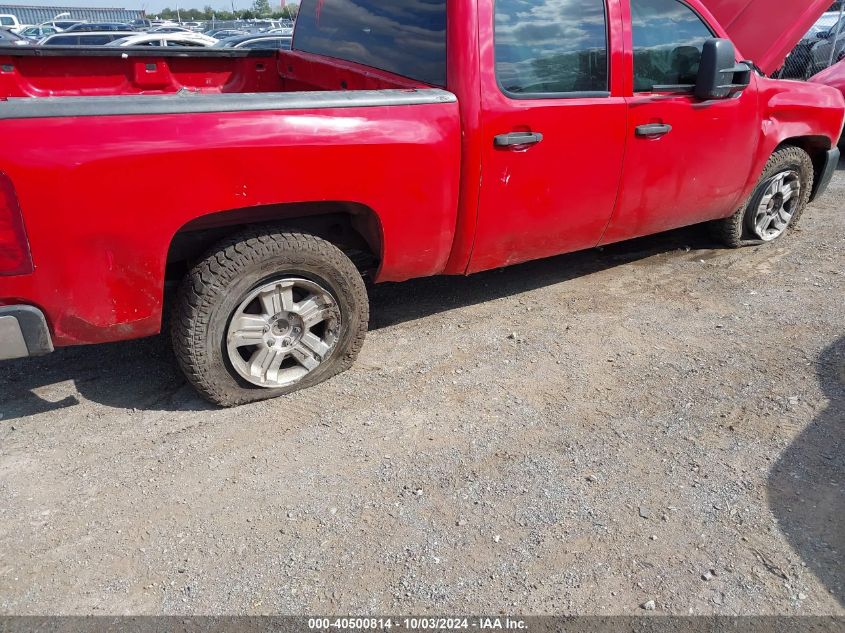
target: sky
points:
(150, 6)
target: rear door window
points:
(551, 47)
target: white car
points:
(824, 23)
(9, 21)
(169, 28)
(166, 39)
(83, 38)
(38, 32)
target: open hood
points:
(765, 31)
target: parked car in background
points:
(9, 21)
(84, 39)
(283, 31)
(258, 26)
(38, 32)
(193, 26)
(141, 24)
(220, 34)
(7, 38)
(64, 25)
(256, 40)
(90, 27)
(799, 64)
(835, 78)
(828, 49)
(169, 28)
(824, 23)
(165, 39)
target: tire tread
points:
(206, 283)
(731, 230)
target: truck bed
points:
(113, 153)
(104, 71)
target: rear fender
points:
(121, 186)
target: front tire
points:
(267, 313)
(775, 206)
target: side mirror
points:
(719, 76)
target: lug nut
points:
(271, 342)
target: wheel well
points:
(353, 228)
(816, 146)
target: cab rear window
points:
(404, 37)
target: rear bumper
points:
(23, 332)
(828, 169)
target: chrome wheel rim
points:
(283, 331)
(777, 206)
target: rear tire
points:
(267, 313)
(789, 169)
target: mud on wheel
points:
(777, 203)
(267, 313)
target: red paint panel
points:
(833, 76)
(70, 75)
(306, 71)
(792, 109)
(556, 196)
(464, 68)
(120, 187)
(684, 177)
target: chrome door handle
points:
(653, 130)
(516, 139)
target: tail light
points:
(15, 258)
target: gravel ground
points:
(658, 421)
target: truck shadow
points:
(805, 485)
(140, 374)
(143, 374)
(394, 303)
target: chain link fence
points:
(822, 47)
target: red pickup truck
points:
(396, 140)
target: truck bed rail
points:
(194, 102)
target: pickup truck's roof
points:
(766, 31)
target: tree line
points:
(258, 9)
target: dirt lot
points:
(662, 420)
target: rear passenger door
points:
(553, 120)
(687, 161)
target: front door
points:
(687, 161)
(554, 125)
